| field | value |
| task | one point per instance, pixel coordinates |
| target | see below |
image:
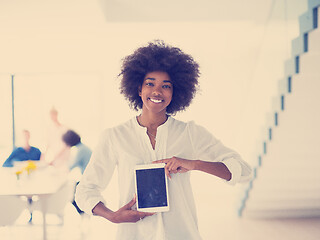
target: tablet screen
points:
(151, 188)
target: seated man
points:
(23, 153)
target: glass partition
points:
(6, 136)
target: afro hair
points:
(158, 56)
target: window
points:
(6, 117)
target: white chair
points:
(11, 208)
(56, 203)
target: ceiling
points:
(99, 12)
(200, 10)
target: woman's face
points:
(156, 92)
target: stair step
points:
(282, 213)
(307, 42)
(271, 183)
(262, 189)
(300, 44)
(284, 194)
(284, 204)
(313, 3)
(288, 174)
(307, 63)
(306, 21)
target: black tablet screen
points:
(151, 188)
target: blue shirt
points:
(82, 157)
(20, 154)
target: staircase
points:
(287, 174)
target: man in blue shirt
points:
(23, 153)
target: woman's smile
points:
(155, 100)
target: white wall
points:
(238, 75)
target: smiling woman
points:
(160, 80)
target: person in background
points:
(79, 158)
(23, 153)
(56, 152)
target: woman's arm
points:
(175, 165)
(124, 214)
(218, 169)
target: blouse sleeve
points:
(208, 148)
(96, 175)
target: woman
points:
(160, 80)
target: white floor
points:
(224, 228)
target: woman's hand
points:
(177, 165)
(126, 214)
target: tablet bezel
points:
(146, 167)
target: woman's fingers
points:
(174, 165)
(167, 172)
(126, 214)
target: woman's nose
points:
(157, 91)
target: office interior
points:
(258, 95)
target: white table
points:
(41, 183)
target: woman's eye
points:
(149, 84)
(166, 86)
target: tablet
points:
(151, 188)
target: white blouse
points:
(127, 145)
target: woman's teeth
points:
(155, 100)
